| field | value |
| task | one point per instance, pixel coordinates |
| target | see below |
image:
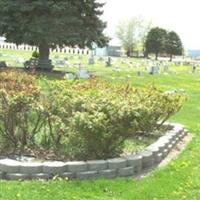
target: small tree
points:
(132, 33)
(49, 23)
(174, 45)
(156, 41)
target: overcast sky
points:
(182, 16)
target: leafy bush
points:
(83, 120)
(35, 54)
(56, 110)
(101, 123)
(20, 118)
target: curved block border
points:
(131, 165)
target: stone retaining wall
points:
(132, 165)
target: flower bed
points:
(70, 121)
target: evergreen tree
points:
(174, 45)
(51, 23)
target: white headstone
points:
(70, 76)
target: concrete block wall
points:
(131, 165)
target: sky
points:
(181, 16)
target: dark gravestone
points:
(109, 62)
(194, 67)
(44, 64)
(3, 64)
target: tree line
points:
(138, 35)
(160, 41)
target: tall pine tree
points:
(51, 23)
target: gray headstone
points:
(140, 73)
(19, 60)
(91, 61)
(83, 74)
(154, 70)
(165, 68)
(60, 62)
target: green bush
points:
(82, 120)
(56, 111)
(35, 54)
(101, 123)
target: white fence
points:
(69, 50)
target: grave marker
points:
(91, 60)
(83, 74)
(109, 62)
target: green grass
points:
(178, 181)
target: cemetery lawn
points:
(178, 181)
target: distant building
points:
(113, 49)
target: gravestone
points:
(194, 67)
(91, 60)
(60, 62)
(67, 63)
(109, 62)
(140, 73)
(165, 68)
(83, 74)
(70, 76)
(44, 64)
(3, 64)
(19, 60)
(153, 70)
